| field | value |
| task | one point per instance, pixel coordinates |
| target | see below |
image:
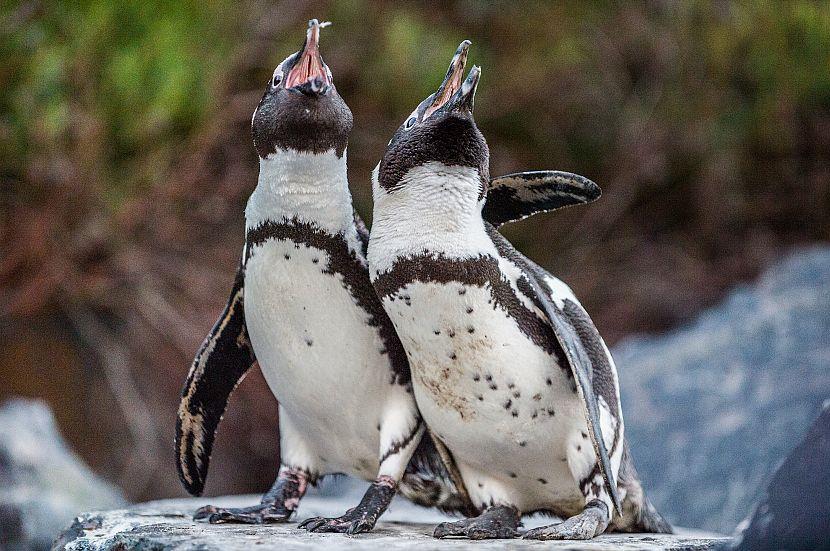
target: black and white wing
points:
(220, 365)
(516, 196)
(586, 354)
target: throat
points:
(435, 208)
(310, 187)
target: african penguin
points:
(509, 372)
(302, 306)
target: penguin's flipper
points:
(587, 358)
(516, 196)
(221, 363)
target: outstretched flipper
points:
(221, 363)
(516, 196)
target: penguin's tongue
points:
(310, 65)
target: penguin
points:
(509, 372)
(302, 306)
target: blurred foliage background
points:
(126, 161)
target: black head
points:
(301, 109)
(441, 129)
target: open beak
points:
(452, 82)
(309, 74)
(462, 100)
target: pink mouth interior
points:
(310, 65)
(452, 87)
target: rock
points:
(795, 510)
(43, 484)
(166, 525)
(713, 407)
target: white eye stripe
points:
(278, 75)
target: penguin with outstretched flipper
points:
(509, 372)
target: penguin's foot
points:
(361, 518)
(589, 523)
(277, 504)
(264, 513)
(497, 522)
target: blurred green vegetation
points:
(126, 160)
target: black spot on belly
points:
(522, 444)
(471, 330)
(514, 413)
(534, 415)
(315, 260)
(542, 480)
(480, 397)
(462, 291)
(551, 412)
(511, 386)
(517, 394)
(476, 377)
(469, 309)
(309, 342)
(493, 386)
(508, 404)
(453, 356)
(512, 475)
(437, 331)
(451, 333)
(548, 382)
(287, 256)
(488, 378)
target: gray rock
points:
(166, 525)
(712, 408)
(795, 510)
(43, 485)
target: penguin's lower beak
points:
(452, 82)
(462, 101)
(309, 75)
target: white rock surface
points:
(167, 525)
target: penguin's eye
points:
(410, 122)
(277, 79)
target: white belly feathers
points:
(321, 359)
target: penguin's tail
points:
(638, 513)
(432, 479)
(649, 519)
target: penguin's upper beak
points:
(452, 82)
(309, 75)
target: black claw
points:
(313, 523)
(360, 526)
